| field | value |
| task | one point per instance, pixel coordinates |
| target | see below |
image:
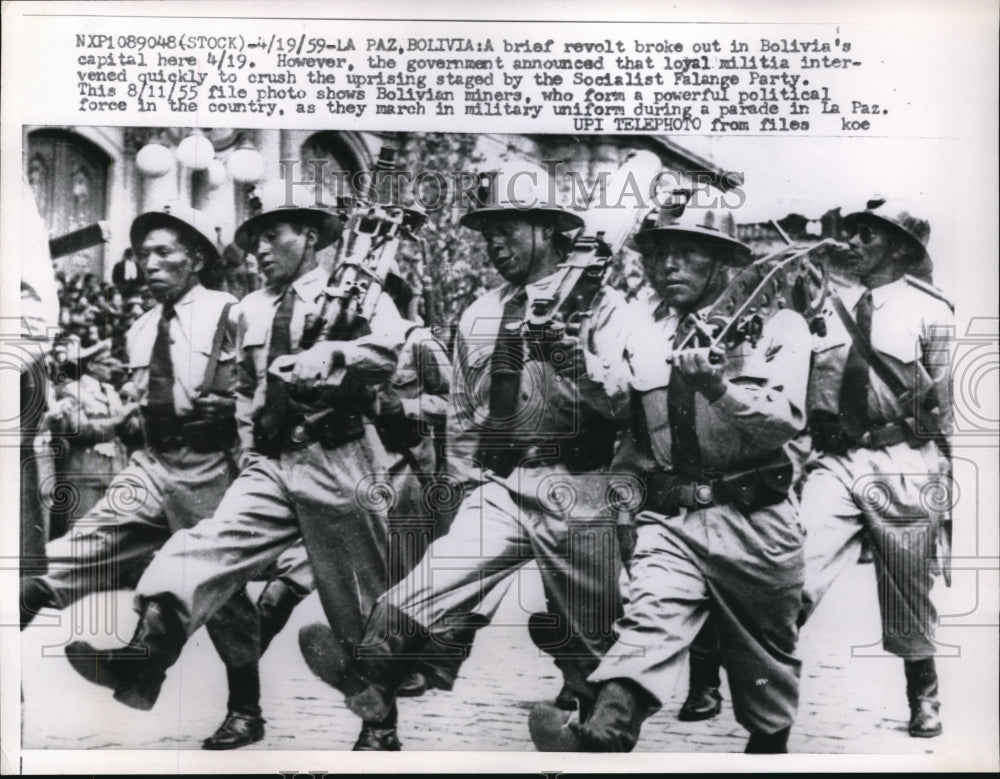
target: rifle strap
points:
(884, 372)
(213, 359)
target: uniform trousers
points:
(156, 496)
(743, 569)
(325, 497)
(496, 532)
(896, 495)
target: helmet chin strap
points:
(707, 290)
(298, 267)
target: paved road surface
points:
(848, 705)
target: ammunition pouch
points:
(199, 434)
(330, 428)
(398, 433)
(749, 490)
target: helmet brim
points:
(328, 226)
(851, 222)
(647, 239)
(565, 221)
(144, 224)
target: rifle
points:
(787, 278)
(568, 307)
(367, 250)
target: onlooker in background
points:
(127, 275)
(84, 421)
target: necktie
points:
(506, 365)
(160, 402)
(684, 449)
(854, 390)
(275, 395)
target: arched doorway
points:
(69, 176)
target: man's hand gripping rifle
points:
(790, 278)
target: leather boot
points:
(369, 676)
(243, 723)
(135, 671)
(413, 686)
(768, 743)
(328, 658)
(613, 725)
(379, 736)
(544, 633)
(448, 650)
(703, 699)
(34, 596)
(384, 659)
(275, 605)
(922, 694)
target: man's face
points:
(871, 243)
(683, 272)
(170, 270)
(513, 243)
(279, 249)
(101, 367)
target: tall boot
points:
(447, 651)
(922, 694)
(546, 635)
(379, 735)
(276, 603)
(703, 699)
(613, 725)
(768, 743)
(35, 595)
(369, 674)
(383, 661)
(243, 724)
(135, 671)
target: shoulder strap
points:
(904, 394)
(928, 289)
(213, 358)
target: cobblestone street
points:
(847, 705)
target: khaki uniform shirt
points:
(371, 358)
(192, 332)
(762, 409)
(912, 327)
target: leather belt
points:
(750, 489)
(828, 436)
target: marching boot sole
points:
(370, 704)
(550, 730)
(138, 691)
(698, 715)
(233, 735)
(929, 733)
(139, 695)
(87, 661)
(325, 657)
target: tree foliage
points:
(456, 270)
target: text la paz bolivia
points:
(399, 45)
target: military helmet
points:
(898, 217)
(271, 204)
(187, 221)
(518, 189)
(682, 219)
